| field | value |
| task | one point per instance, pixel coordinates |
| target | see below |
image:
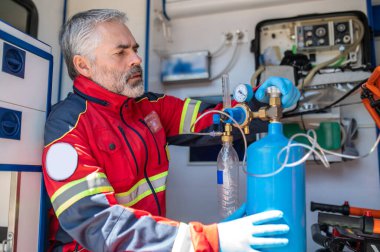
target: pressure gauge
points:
(243, 93)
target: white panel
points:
(30, 91)
(28, 150)
(29, 211)
(29, 96)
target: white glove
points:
(246, 234)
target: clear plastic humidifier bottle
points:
(228, 179)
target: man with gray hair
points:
(105, 159)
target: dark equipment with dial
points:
(342, 33)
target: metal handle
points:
(344, 209)
(7, 245)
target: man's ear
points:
(82, 65)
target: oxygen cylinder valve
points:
(273, 113)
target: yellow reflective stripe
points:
(123, 194)
(142, 181)
(73, 183)
(158, 176)
(142, 189)
(183, 115)
(195, 113)
(167, 151)
(188, 116)
(81, 195)
(145, 194)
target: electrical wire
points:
(328, 106)
(164, 10)
(347, 104)
(255, 75)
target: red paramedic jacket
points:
(114, 198)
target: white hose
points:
(220, 48)
(315, 148)
(230, 64)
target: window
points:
(21, 14)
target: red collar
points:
(93, 92)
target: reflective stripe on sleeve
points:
(72, 192)
(182, 242)
(141, 189)
(189, 115)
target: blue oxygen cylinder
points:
(284, 191)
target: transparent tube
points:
(226, 91)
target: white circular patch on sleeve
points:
(61, 161)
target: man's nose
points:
(136, 59)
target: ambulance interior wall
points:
(192, 188)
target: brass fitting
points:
(247, 110)
(227, 137)
(273, 113)
(261, 114)
(246, 130)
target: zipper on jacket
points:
(129, 147)
(145, 172)
(146, 157)
(154, 138)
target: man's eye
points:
(120, 52)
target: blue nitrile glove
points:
(247, 234)
(240, 212)
(290, 93)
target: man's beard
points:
(119, 82)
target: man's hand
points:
(290, 93)
(247, 234)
